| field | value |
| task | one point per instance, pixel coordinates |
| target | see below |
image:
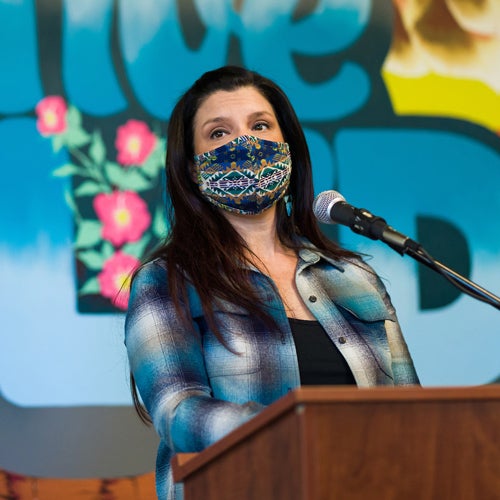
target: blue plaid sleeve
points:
(166, 359)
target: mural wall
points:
(400, 102)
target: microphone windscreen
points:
(323, 204)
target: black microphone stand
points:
(363, 222)
(416, 251)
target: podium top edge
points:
(330, 394)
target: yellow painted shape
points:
(436, 95)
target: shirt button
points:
(312, 298)
(342, 340)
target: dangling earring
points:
(288, 204)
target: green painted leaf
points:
(126, 179)
(68, 197)
(137, 248)
(114, 173)
(134, 180)
(160, 223)
(153, 165)
(107, 250)
(58, 141)
(91, 286)
(73, 118)
(97, 150)
(92, 259)
(77, 137)
(66, 170)
(88, 188)
(88, 234)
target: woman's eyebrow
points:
(216, 119)
(252, 116)
(258, 114)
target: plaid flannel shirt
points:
(196, 390)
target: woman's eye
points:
(217, 134)
(261, 126)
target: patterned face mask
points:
(244, 176)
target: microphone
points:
(330, 207)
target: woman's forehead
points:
(238, 101)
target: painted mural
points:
(441, 60)
(114, 226)
(400, 102)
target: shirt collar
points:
(312, 255)
(309, 255)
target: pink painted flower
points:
(134, 143)
(124, 215)
(114, 279)
(51, 112)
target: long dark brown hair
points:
(202, 246)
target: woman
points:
(247, 299)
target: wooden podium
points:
(321, 443)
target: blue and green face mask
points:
(246, 176)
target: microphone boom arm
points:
(417, 252)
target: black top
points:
(320, 362)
